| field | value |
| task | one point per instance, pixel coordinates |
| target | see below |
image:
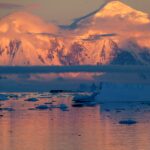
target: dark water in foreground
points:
(86, 128)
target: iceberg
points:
(121, 92)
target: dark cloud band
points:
(10, 6)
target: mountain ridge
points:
(96, 40)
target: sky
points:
(62, 11)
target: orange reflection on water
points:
(77, 129)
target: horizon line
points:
(75, 69)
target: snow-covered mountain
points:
(26, 39)
(113, 34)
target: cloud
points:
(111, 0)
(99, 36)
(33, 6)
(10, 6)
(19, 6)
(121, 26)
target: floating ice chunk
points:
(7, 109)
(85, 98)
(48, 103)
(127, 122)
(45, 96)
(77, 105)
(82, 104)
(91, 104)
(3, 97)
(63, 107)
(32, 100)
(13, 96)
(42, 107)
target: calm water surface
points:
(86, 128)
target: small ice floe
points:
(77, 105)
(63, 107)
(3, 97)
(23, 95)
(107, 110)
(31, 108)
(127, 122)
(85, 98)
(32, 100)
(60, 91)
(56, 91)
(42, 107)
(45, 96)
(7, 109)
(86, 104)
(13, 96)
(48, 103)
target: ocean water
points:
(78, 128)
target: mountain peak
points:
(117, 4)
(113, 8)
(118, 8)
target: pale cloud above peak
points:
(33, 6)
(19, 6)
(10, 6)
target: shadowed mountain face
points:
(113, 34)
